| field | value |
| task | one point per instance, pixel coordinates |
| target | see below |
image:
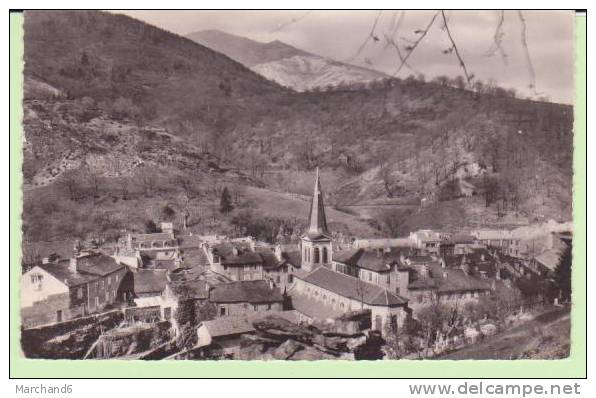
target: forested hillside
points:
(399, 140)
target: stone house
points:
(66, 289)
(241, 297)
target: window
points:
(256, 307)
(370, 276)
(225, 267)
(316, 256)
(290, 278)
(109, 280)
(268, 306)
(222, 311)
(116, 277)
(325, 256)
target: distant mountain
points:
(284, 64)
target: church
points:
(321, 293)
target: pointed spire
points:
(317, 222)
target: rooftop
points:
(149, 281)
(98, 264)
(374, 260)
(258, 291)
(549, 259)
(351, 287)
(63, 272)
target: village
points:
(173, 294)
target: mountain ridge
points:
(285, 64)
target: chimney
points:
(234, 250)
(278, 252)
(72, 265)
(445, 274)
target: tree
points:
(225, 203)
(168, 212)
(148, 180)
(563, 272)
(94, 178)
(151, 227)
(490, 189)
(71, 182)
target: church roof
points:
(354, 288)
(317, 222)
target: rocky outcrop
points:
(132, 342)
(68, 340)
(279, 339)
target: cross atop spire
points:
(317, 222)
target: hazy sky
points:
(340, 34)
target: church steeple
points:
(317, 222)
(316, 242)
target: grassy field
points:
(276, 204)
(547, 336)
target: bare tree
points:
(148, 180)
(71, 182)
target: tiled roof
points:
(62, 271)
(455, 280)
(492, 234)
(549, 259)
(158, 236)
(242, 259)
(189, 241)
(420, 259)
(244, 254)
(245, 292)
(98, 264)
(149, 281)
(374, 260)
(462, 238)
(348, 256)
(351, 287)
(294, 258)
(269, 259)
(196, 289)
